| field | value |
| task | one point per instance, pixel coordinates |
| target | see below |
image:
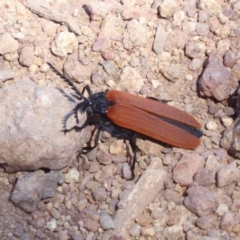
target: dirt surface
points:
(184, 52)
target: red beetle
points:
(148, 117)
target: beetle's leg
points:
(76, 96)
(135, 149)
(96, 140)
(88, 89)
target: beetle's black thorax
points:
(99, 103)
(96, 104)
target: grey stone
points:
(31, 134)
(32, 187)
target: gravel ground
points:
(184, 52)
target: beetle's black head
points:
(95, 106)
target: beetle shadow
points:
(70, 99)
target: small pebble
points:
(106, 221)
(222, 208)
(72, 176)
(211, 125)
(52, 224)
(100, 194)
(126, 171)
(227, 121)
(148, 231)
(189, 77)
(135, 230)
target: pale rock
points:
(117, 147)
(21, 9)
(199, 200)
(126, 171)
(11, 56)
(148, 231)
(222, 209)
(26, 56)
(196, 64)
(104, 157)
(44, 67)
(72, 176)
(211, 125)
(106, 221)
(33, 68)
(202, 29)
(168, 7)
(97, 9)
(155, 83)
(223, 31)
(135, 230)
(173, 72)
(191, 26)
(216, 80)
(227, 121)
(136, 35)
(75, 70)
(160, 39)
(33, 187)
(186, 168)
(212, 163)
(227, 220)
(27, 118)
(236, 6)
(195, 50)
(112, 27)
(203, 16)
(207, 222)
(178, 18)
(204, 177)
(189, 77)
(6, 75)
(64, 43)
(129, 3)
(143, 14)
(130, 79)
(52, 224)
(222, 18)
(227, 175)
(101, 44)
(100, 194)
(87, 31)
(110, 68)
(135, 62)
(8, 44)
(229, 59)
(173, 232)
(18, 35)
(212, 6)
(139, 196)
(214, 23)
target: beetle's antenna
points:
(68, 82)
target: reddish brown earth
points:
(185, 52)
